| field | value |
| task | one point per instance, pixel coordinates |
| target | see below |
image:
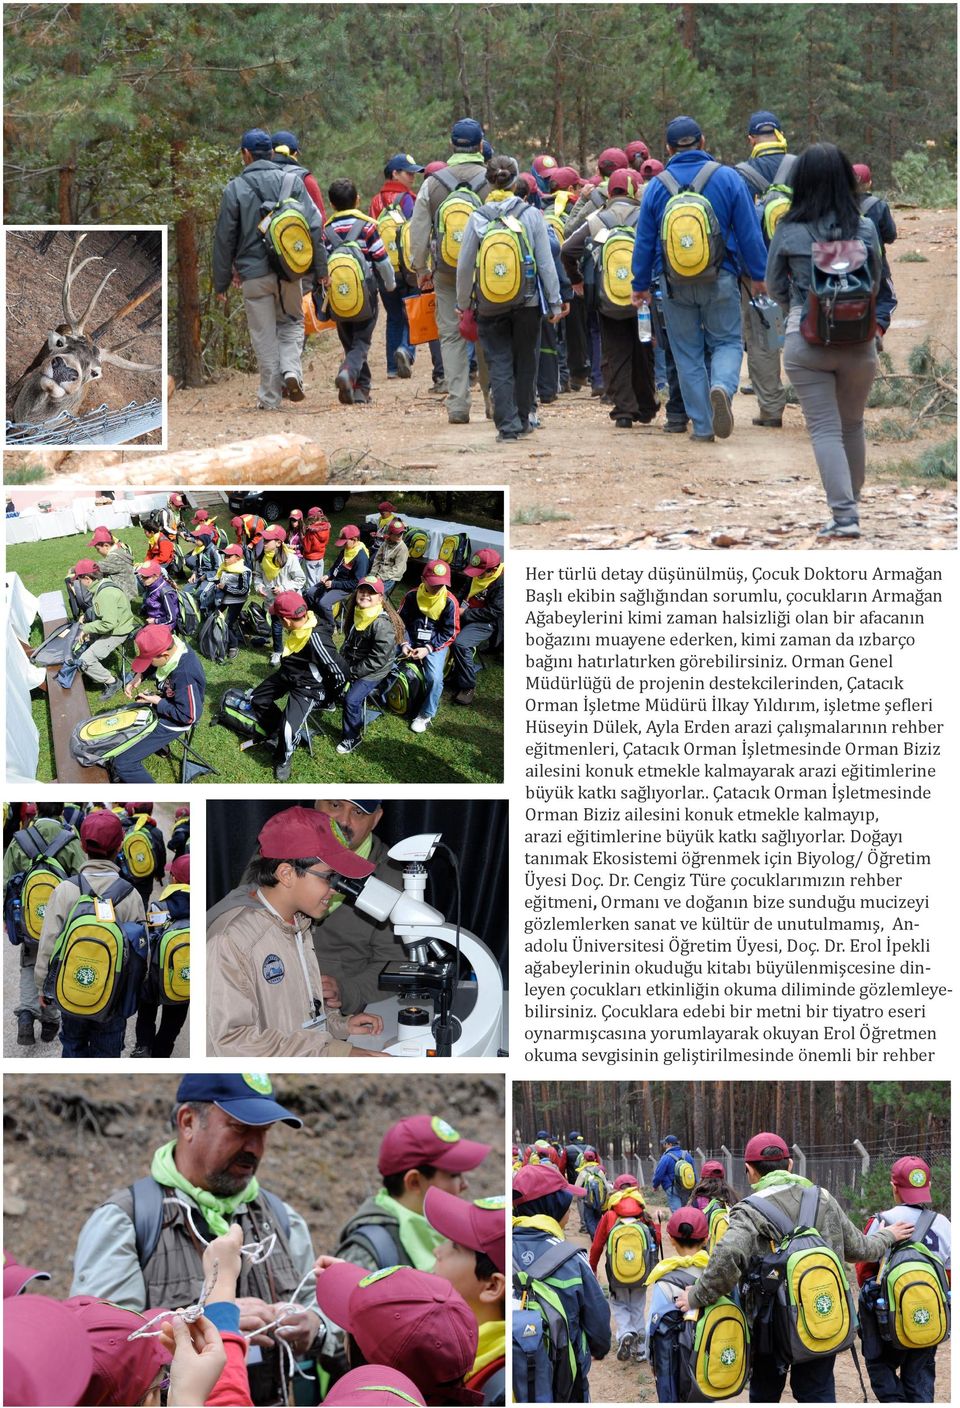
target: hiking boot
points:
(49, 1028)
(576, 384)
(839, 530)
(140, 1052)
(703, 439)
(110, 689)
(465, 697)
(283, 770)
(439, 388)
(347, 745)
(404, 364)
(527, 429)
(675, 427)
(275, 658)
(722, 413)
(503, 435)
(596, 391)
(292, 387)
(361, 397)
(25, 1036)
(458, 417)
(747, 390)
(420, 724)
(640, 1353)
(547, 400)
(233, 652)
(773, 421)
(624, 422)
(625, 1346)
(344, 387)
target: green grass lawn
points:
(461, 745)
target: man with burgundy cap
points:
(769, 1171)
(111, 622)
(481, 620)
(101, 836)
(902, 1375)
(390, 1229)
(264, 987)
(142, 1248)
(431, 615)
(473, 1258)
(177, 699)
(116, 561)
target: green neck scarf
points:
(780, 1179)
(336, 900)
(178, 654)
(217, 1212)
(417, 1237)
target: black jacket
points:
(237, 241)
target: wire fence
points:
(98, 427)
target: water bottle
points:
(529, 274)
(882, 1314)
(644, 323)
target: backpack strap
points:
(278, 1211)
(667, 178)
(809, 1206)
(146, 1213)
(449, 178)
(286, 186)
(867, 203)
(31, 842)
(494, 1389)
(924, 1225)
(336, 239)
(782, 173)
(378, 1240)
(549, 1261)
(703, 175)
(753, 178)
(773, 1213)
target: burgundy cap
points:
(689, 1224)
(863, 173)
(101, 536)
(480, 1225)
(151, 642)
(650, 167)
(236, 522)
(149, 569)
(205, 530)
(15, 1276)
(299, 833)
(101, 834)
(911, 1178)
(27, 809)
(296, 513)
(123, 1369)
(180, 870)
(86, 568)
(374, 583)
(138, 808)
(625, 1180)
(371, 1386)
(712, 1168)
(47, 1357)
(234, 550)
(437, 573)
(181, 811)
(433, 166)
(538, 1180)
(765, 1146)
(201, 516)
(289, 604)
(624, 179)
(396, 528)
(314, 512)
(414, 1320)
(276, 534)
(530, 181)
(348, 534)
(635, 149)
(545, 162)
(427, 1139)
(386, 507)
(177, 500)
(610, 159)
(563, 177)
(483, 561)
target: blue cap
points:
(762, 122)
(366, 804)
(486, 150)
(247, 1098)
(669, 1139)
(466, 135)
(285, 139)
(683, 132)
(403, 161)
(256, 140)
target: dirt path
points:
(580, 483)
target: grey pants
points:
(455, 351)
(275, 319)
(312, 570)
(91, 661)
(763, 366)
(29, 997)
(833, 384)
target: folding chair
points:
(192, 765)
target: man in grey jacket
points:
(272, 304)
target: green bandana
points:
(779, 1178)
(336, 900)
(417, 1237)
(217, 1212)
(179, 648)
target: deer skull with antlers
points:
(61, 373)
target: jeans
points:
(703, 322)
(128, 767)
(432, 666)
(463, 671)
(353, 705)
(81, 1037)
(398, 333)
(896, 1375)
(355, 339)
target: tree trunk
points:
(189, 351)
(67, 187)
(689, 30)
(462, 67)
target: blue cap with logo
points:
(762, 122)
(247, 1098)
(256, 140)
(683, 132)
(285, 139)
(466, 135)
(366, 804)
(403, 161)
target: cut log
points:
(269, 459)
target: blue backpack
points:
(545, 1368)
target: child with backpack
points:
(784, 1230)
(84, 958)
(560, 1317)
(473, 1258)
(167, 986)
(904, 1306)
(629, 1239)
(675, 1172)
(357, 259)
(879, 212)
(179, 842)
(714, 1197)
(202, 563)
(143, 853)
(160, 605)
(42, 853)
(824, 269)
(231, 589)
(392, 207)
(592, 1178)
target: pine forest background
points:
(132, 113)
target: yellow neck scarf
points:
(272, 563)
(776, 143)
(364, 616)
(543, 1223)
(431, 603)
(385, 520)
(173, 890)
(295, 640)
(232, 565)
(491, 1344)
(480, 584)
(351, 549)
(673, 1263)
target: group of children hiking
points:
(755, 1288)
(96, 944)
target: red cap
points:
(437, 573)
(544, 162)
(650, 167)
(276, 534)
(205, 530)
(386, 507)
(610, 159)
(180, 870)
(138, 808)
(537, 1180)
(315, 512)
(101, 834)
(689, 1224)
(288, 604)
(149, 569)
(635, 149)
(765, 1146)
(181, 811)
(630, 1205)
(415, 1321)
(176, 501)
(27, 809)
(433, 166)
(371, 1386)
(348, 534)
(236, 522)
(563, 178)
(911, 1178)
(296, 513)
(623, 180)
(123, 1369)
(101, 536)
(712, 1168)
(374, 582)
(15, 1276)
(151, 642)
(530, 181)
(396, 528)
(234, 550)
(298, 833)
(427, 1139)
(480, 1225)
(47, 1357)
(863, 173)
(201, 516)
(625, 1180)
(86, 568)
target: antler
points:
(77, 324)
(116, 361)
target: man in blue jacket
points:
(665, 1173)
(177, 702)
(703, 316)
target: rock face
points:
(269, 459)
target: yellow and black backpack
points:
(98, 964)
(170, 965)
(285, 232)
(351, 292)
(912, 1284)
(28, 893)
(140, 855)
(453, 212)
(691, 241)
(506, 271)
(612, 247)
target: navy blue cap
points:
(247, 1098)
(486, 150)
(366, 804)
(762, 122)
(256, 140)
(403, 161)
(669, 1139)
(466, 135)
(683, 132)
(285, 139)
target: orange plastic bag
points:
(311, 323)
(422, 318)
